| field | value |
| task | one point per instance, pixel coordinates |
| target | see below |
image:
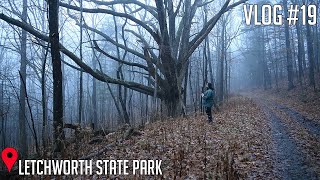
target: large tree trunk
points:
(172, 100)
(58, 135)
(23, 71)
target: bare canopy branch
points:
(95, 73)
(111, 12)
(150, 9)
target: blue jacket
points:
(207, 99)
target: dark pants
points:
(208, 111)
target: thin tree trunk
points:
(122, 99)
(300, 52)
(44, 100)
(23, 69)
(191, 91)
(316, 47)
(57, 77)
(226, 76)
(310, 57)
(210, 62)
(185, 86)
(276, 61)
(94, 90)
(221, 80)
(81, 73)
(3, 114)
(34, 132)
(288, 48)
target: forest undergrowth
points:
(235, 146)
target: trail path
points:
(293, 159)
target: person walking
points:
(207, 100)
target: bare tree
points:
(288, 48)
(311, 57)
(23, 70)
(57, 75)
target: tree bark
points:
(34, 132)
(94, 92)
(2, 115)
(44, 101)
(58, 135)
(80, 108)
(288, 48)
(310, 57)
(300, 51)
(23, 70)
(222, 59)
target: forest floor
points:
(237, 145)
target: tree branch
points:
(96, 74)
(145, 45)
(107, 11)
(113, 41)
(208, 27)
(96, 46)
(150, 9)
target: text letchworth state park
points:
(90, 167)
(81, 167)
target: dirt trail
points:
(290, 160)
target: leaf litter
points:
(235, 146)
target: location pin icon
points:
(9, 157)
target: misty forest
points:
(123, 79)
